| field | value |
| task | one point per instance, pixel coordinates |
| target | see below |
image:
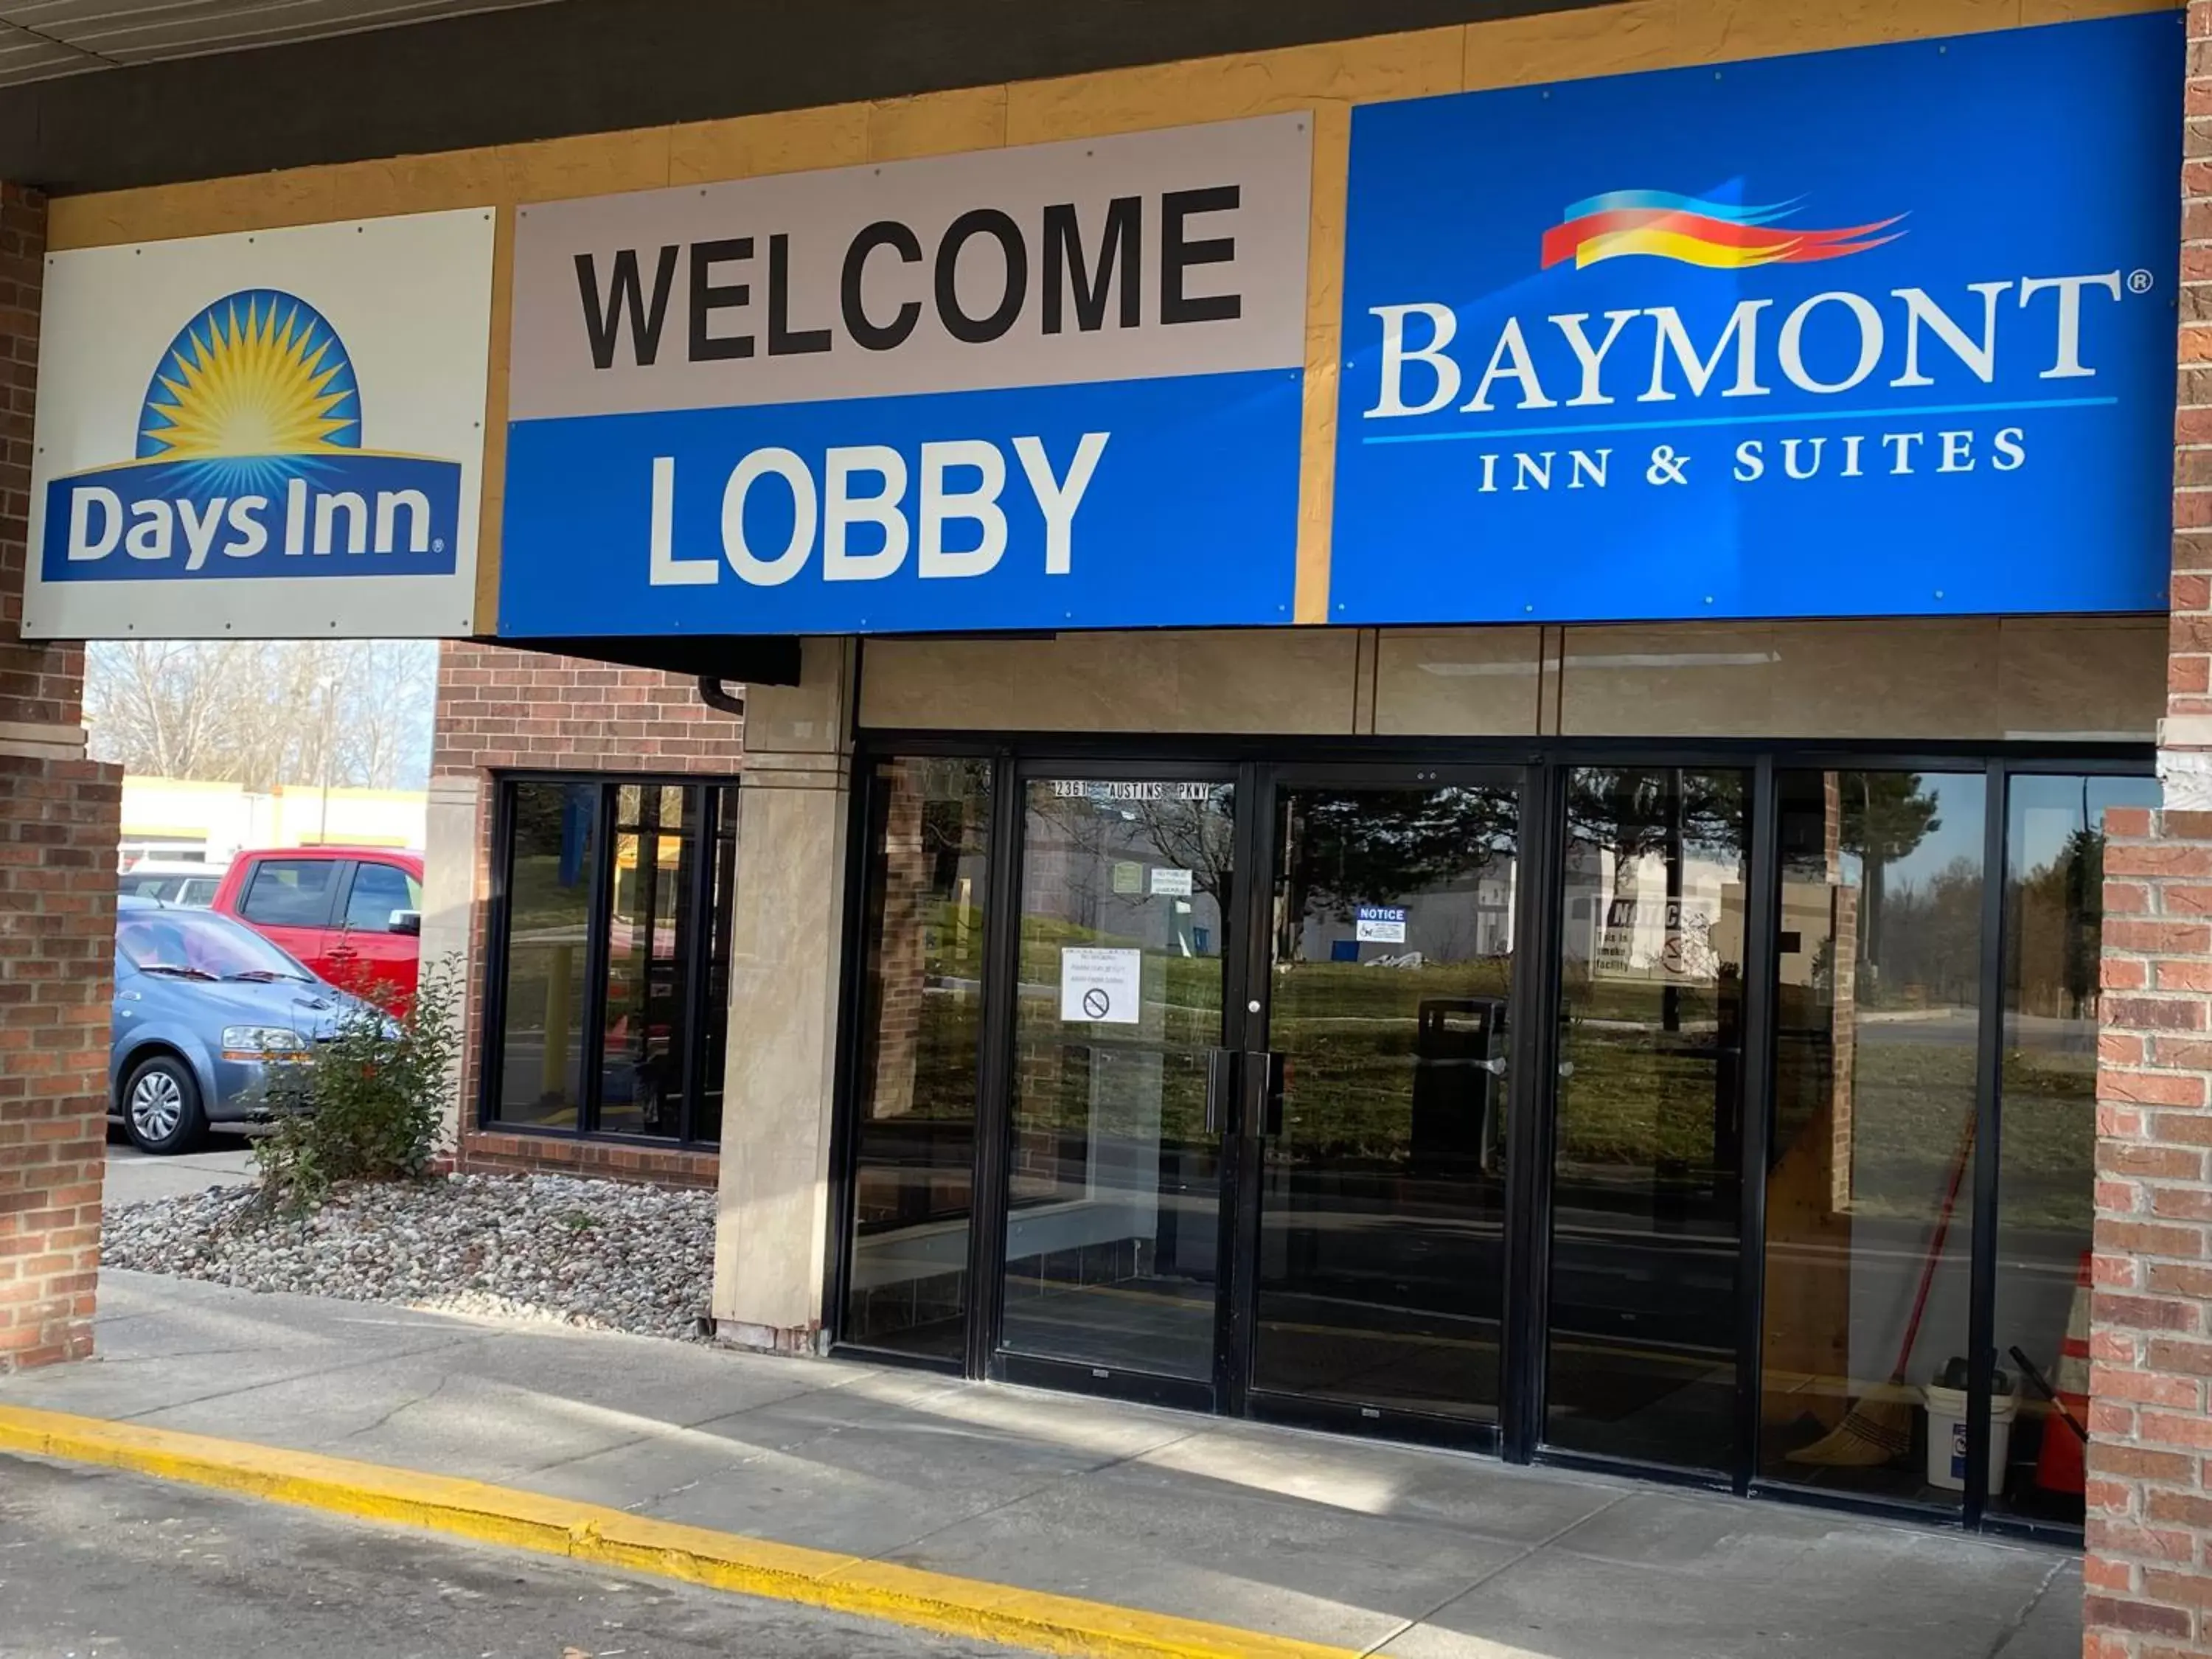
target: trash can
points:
(1947, 1437)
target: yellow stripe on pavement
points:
(614, 1538)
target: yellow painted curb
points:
(614, 1538)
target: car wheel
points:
(161, 1110)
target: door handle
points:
(1220, 1069)
(1265, 1074)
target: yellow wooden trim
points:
(615, 1538)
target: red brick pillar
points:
(59, 817)
(2149, 1577)
(2149, 1571)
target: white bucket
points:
(1947, 1437)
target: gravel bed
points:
(605, 1255)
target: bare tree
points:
(354, 713)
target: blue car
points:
(203, 1007)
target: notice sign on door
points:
(1380, 924)
(1101, 988)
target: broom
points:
(1877, 1431)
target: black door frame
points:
(1258, 763)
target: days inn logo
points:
(1659, 224)
(250, 462)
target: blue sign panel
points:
(1116, 505)
(1882, 331)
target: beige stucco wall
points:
(2062, 679)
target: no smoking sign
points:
(1100, 986)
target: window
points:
(2054, 918)
(643, 1048)
(921, 1016)
(1870, 1195)
(613, 961)
(1645, 1208)
(291, 892)
(552, 831)
(378, 890)
(198, 945)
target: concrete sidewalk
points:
(1372, 1548)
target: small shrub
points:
(370, 1103)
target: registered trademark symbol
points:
(438, 545)
(2139, 281)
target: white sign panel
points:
(1146, 255)
(1101, 987)
(276, 434)
(1380, 924)
(1173, 884)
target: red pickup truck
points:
(353, 914)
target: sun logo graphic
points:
(1725, 236)
(251, 462)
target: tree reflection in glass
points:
(1649, 1115)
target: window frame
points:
(704, 795)
(338, 879)
(353, 885)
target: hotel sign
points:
(1056, 386)
(1781, 339)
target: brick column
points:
(2149, 1576)
(59, 817)
(2185, 745)
(2149, 1571)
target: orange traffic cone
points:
(2058, 1465)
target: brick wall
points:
(500, 711)
(59, 817)
(2189, 661)
(2149, 1575)
(496, 1153)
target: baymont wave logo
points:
(1721, 235)
(251, 462)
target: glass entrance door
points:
(1121, 1076)
(1379, 1282)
